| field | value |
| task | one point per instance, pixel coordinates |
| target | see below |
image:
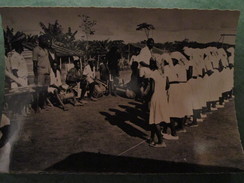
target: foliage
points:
(59, 37)
(11, 38)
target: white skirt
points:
(177, 105)
(216, 86)
(196, 93)
(159, 108)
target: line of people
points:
(181, 87)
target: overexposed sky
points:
(120, 23)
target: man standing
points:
(113, 57)
(144, 58)
(42, 56)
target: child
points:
(158, 104)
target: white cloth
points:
(159, 107)
(145, 72)
(196, 98)
(230, 81)
(145, 55)
(54, 80)
(90, 75)
(179, 105)
(18, 62)
(7, 64)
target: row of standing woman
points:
(184, 86)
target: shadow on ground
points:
(119, 119)
(134, 115)
(93, 162)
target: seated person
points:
(56, 87)
(75, 78)
(89, 73)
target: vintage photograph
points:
(119, 90)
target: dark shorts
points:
(43, 79)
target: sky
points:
(120, 23)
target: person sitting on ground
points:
(56, 86)
(75, 78)
(89, 73)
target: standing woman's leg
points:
(158, 133)
(153, 132)
(172, 127)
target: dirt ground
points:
(110, 135)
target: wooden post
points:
(60, 63)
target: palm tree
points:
(146, 28)
(11, 38)
(59, 37)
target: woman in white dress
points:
(180, 90)
(209, 78)
(225, 74)
(230, 81)
(158, 104)
(194, 81)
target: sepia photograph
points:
(119, 90)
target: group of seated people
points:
(76, 81)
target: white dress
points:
(159, 110)
(186, 90)
(203, 92)
(145, 56)
(231, 71)
(177, 106)
(215, 78)
(194, 84)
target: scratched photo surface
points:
(121, 90)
